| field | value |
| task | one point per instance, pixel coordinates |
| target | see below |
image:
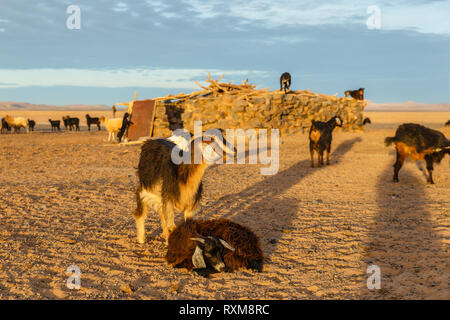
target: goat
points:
(90, 121)
(17, 123)
(418, 143)
(218, 243)
(166, 186)
(356, 94)
(285, 81)
(31, 125)
(366, 121)
(112, 126)
(125, 125)
(71, 123)
(447, 123)
(55, 124)
(5, 127)
(320, 136)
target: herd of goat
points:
(219, 245)
(113, 126)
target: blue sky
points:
(159, 47)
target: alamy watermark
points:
(374, 20)
(74, 280)
(210, 146)
(374, 280)
(73, 22)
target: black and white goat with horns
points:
(170, 177)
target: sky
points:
(398, 50)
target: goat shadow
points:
(403, 242)
(257, 206)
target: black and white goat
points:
(167, 184)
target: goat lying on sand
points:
(356, 94)
(418, 143)
(320, 137)
(219, 243)
(165, 186)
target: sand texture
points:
(67, 199)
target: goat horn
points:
(199, 240)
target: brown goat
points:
(243, 246)
(165, 186)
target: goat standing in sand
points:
(418, 143)
(165, 186)
(112, 126)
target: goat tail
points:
(388, 141)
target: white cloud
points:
(117, 78)
(120, 7)
(2, 30)
(420, 16)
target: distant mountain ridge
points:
(371, 106)
(16, 106)
(408, 106)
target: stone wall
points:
(291, 112)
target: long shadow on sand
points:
(258, 205)
(403, 242)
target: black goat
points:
(55, 124)
(90, 121)
(356, 94)
(285, 81)
(320, 136)
(126, 123)
(5, 126)
(418, 143)
(447, 123)
(71, 123)
(366, 121)
(31, 125)
(165, 186)
(218, 243)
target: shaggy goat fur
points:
(247, 251)
(285, 81)
(165, 186)
(356, 94)
(418, 143)
(320, 137)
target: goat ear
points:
(197, 258)
(226, 245)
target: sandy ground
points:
(67, 198)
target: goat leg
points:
(429, 161)
(398, 165)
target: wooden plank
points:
(142, 118)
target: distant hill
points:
(408, 106)
(15, 106)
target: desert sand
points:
(67, 199)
